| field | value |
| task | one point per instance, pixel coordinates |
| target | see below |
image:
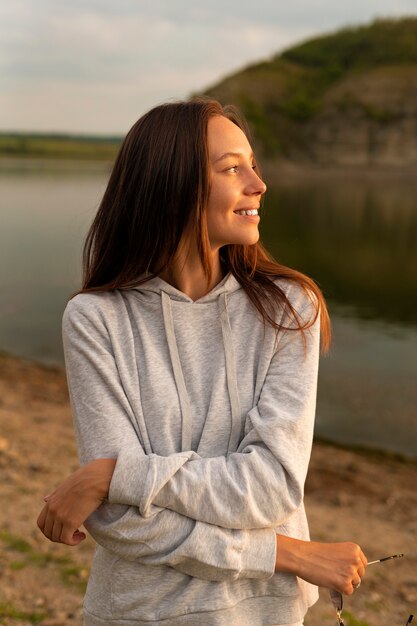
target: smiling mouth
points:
(246, 212)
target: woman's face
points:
(236, 189)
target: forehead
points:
(224, 136)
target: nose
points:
(255, 184)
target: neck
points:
(186, 273)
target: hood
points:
(157, 285)
(158, 288)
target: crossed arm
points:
(155, 516)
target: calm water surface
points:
(356, 238)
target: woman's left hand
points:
(69, 505)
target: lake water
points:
(356, 237)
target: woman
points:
(192, 366)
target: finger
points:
(48, 495)
(363, 566)
(78, 537)
(70, 536)
(56, 531)
(361, 571)
(41, 518)
(363, 559)
(346, 589)
(48, 524)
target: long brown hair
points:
(159, 185)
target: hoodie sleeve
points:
(194, 548)
(103, 423)
(262, 483)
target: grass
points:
(12, 542)
(75, 576)
(8, 610)
(71, 574)
(15, 566)
(350, 620)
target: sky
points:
(95, 66)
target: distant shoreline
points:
(293, 172)
(67, 151)
(50, 163)
(288, 172)
(23, 146)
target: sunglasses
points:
(337, 598)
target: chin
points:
(249, 240)
(237, 239)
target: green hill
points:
(348, 98)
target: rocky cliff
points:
(346, 99)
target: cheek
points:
(221, 199)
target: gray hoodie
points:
(211, 421)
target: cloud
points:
(92, 64)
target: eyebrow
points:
(232, 154)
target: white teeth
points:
(251, 212)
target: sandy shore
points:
(350, 495)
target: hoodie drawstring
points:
(230, 374)
(179, 375)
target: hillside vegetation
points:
(348, 98)
(58, 146)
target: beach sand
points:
(351, 495)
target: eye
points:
(232, 169)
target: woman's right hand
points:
(339, 566)
(69, 504)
